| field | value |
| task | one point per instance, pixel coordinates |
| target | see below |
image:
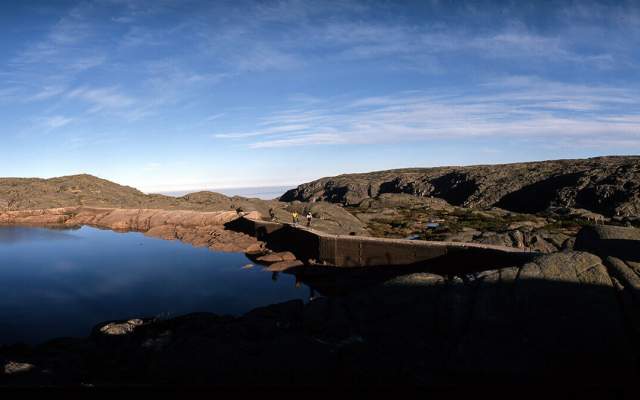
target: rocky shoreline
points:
(201, 229)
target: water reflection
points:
(17, 234)
(61, 283)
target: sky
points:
(185, 95)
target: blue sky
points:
(183, 95)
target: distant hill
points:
(88, 190)
(606, 185)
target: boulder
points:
(120, 328)
(606, 240)
(13, 367)
(277, 257)
(284, 265)
(255, 249)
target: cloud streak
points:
(237, 81)
(514, 109)
(57, 121)
(109, 98)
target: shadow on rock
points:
(555, 320)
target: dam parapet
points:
(362, 251)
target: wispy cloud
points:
(43, 67)
(57, 121)
(213, 117)
(212, 43)
(532, 109)
(102, 98)
(60, 46)
(267, 75)
(301, 140)
(46, 92)
(262, 132)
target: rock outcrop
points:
(204, 229)
(277, 257)
(86, 191)
(401, 215)
(604, 185)
(90, 191)
(619, 248)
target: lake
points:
(56, 283)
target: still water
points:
(56, 283)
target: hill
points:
(87, 190)
(606, 185)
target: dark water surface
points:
(56, 283)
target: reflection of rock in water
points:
(466, 265)
(16, 234)
(333, 282)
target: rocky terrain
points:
(402, 215)
(538, 206)
(89, 191)
(568, 319)
(605, 185)
(383, 209)
(202, 229)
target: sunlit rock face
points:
(13, 367)
(204, 229)
(89, 192)
(122, 328)
(605, 185)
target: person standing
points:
(309, 216)
(294, 217)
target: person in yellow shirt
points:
(294, 217)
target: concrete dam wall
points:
(361, 251)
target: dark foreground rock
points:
(620, 250)
(560, 320)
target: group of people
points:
(295, 217)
